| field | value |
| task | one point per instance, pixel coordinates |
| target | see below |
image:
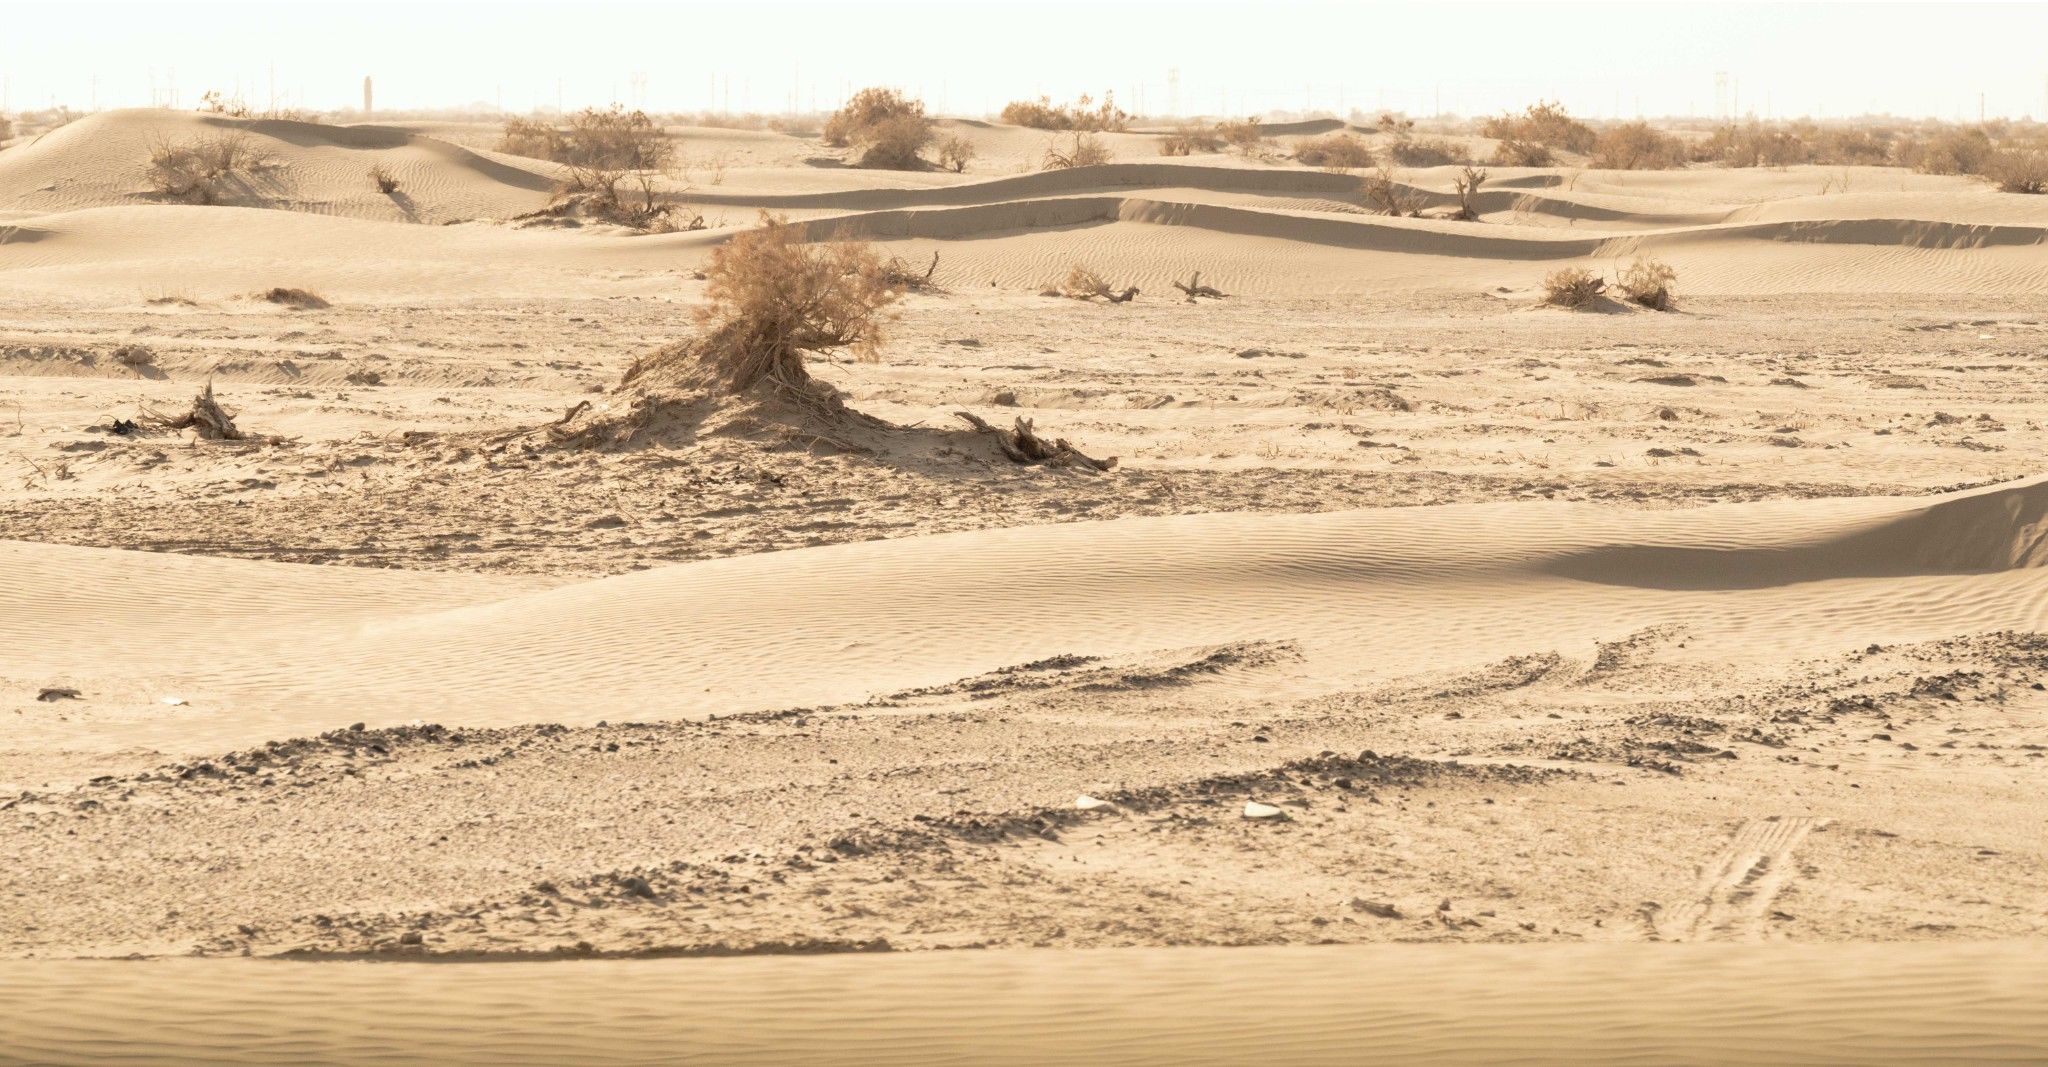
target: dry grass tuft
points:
(1337, 151)
(383, 179)
(197, 171)
(1572, 287)
(1186, 140)
(1083, 151)
(1648, 282)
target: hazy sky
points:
(968, 57)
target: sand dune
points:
(1420, 588)
(82, 221)
(322, 169)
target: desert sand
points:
(1507, 623)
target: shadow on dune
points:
(1981, 533)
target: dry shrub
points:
(291, 298)
(1244, 136)
(1084, 151)
(383, 179)
(1467, 183)
(1647, 282)
(1186, 140)
(1516, 153)
(1337, 151)
(1385, 191)
(6, 128)
(613, 159)
(137, 356)
(1572, 287)
(1950, 152)
(1084, 284)
(889, 128)
(532, 139)
(1037, 115)
(1636, 146)
(1544, 123)
(1426, 151)
(1083, 114)
(1851, 147)
(605, 146)
(1753, 144)
(773, 297)
(955, 153)
(2018, 170)
(199, 170)
(214, 103)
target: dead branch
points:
(902, 274)
(1468, 184)
(1023, 445)
(207, 418)
(1193, 287)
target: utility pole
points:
(366, 96)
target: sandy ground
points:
(1512, 623)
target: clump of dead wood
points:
(1467, 184)
(1193, 287)
(906, 276)
(206, 418)
(1385, 191)
(1084, 284)
(1021, 444)
(292, 298)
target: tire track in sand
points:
(1739, 884)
